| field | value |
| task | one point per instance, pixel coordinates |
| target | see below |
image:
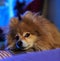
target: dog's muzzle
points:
(19, 44)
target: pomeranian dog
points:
(32, 33)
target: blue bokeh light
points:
(4, 15)
(10, 2)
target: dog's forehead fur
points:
(26, 25)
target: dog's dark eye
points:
(17, 37)
(27, 35)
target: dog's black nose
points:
(19, 44)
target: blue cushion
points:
(50, 55)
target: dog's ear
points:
(13, 22)
(27, 14)
(30, 15)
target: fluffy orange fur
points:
(43, 34)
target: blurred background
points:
(11, 8)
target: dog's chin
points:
(16, 48)
(19, 50)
